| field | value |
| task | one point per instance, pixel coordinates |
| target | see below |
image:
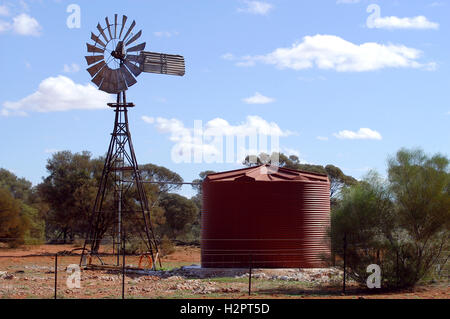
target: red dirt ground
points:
(33, 277)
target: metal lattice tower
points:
(114, 63)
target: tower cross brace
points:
(122, 170)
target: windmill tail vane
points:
(115, 59)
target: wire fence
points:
(59, 275)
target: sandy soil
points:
(33, 277)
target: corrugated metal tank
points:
(269, 218)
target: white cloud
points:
(58, 94)
(290, 151)
(331, 52)
(347, 1)
(256, 7)
(4, 10)
(23, 24)
(258, 98)
(252, 124)
(362, 134)
(4, 26)
(166, 34)
(148, 119)
(24, 5)
(419, 22)
(71, 68)
(228, 56)
(191, 140)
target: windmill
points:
(115, 59)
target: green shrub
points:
(166, 246)
(401, 224)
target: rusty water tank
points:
(266, 218)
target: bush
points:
(135, 246)
(166, 247)
(364, 215)
(401, 225)
(12, 224)
(35, 233)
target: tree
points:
(338, 179)
(12, 225)
(197, 183)
(68, 190)
(31, 206)
(197, 199)
(364, 216)
(180, 213)
(162, 175)
(20, 188)
(165, 181)
(421, 187)
(35, 230)
(401, 224)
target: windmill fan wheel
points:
(114, 62)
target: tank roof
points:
(267, 173)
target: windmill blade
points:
(98, 79)
(133, 68)
(97, 40)
(115, 25)
(129, 30)
(99, 28)
(95, 68)
(109, 81)
(138, 47)
(90, 59)
(127, 75)
(124, 21)
(94, 49)
(108, 27)
(136, 36)
(121, 84)
(106, 82)
(134, 58)
(114, 81)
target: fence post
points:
(345, 262)
(56, 274)
(397, 270)
(250, 277)
(123, 267)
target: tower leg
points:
(122, 169)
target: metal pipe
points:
(345, 262)
(250, 277)
(56, 274)
(396, 270)
(123, 268)
(174, 183)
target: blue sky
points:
(335, 81)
